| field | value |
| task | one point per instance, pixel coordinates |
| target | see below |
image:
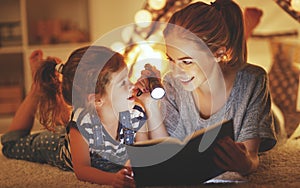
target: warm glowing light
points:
(137, 38)
(157, 4)
(296, 5)
(126, 33)
(143, 54)
(155, 38)
(145, 49)
(132, 55)
(143, 18)
(118, 47)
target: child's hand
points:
(128, 167)
(123, 178)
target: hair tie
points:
(216, 5)
(59, 67)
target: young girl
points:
(211, 81)
(95, 84)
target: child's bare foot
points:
(35, 60)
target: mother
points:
(208, 86)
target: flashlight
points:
(156, 89)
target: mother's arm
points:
(256, 134)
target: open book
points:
(169, 161)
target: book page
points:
(210, 128)
(174, 140)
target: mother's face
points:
(190, 64)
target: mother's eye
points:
(187, 61)
(170, 60)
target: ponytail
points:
(52, 110)
(233, 16)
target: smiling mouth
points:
(187, 81)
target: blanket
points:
(279, 167)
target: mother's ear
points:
(221, 54)
(95, 99)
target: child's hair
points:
(87, 71)
(218, 24)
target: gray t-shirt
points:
(249, 105)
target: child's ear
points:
(95, 99)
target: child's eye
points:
(123, 83)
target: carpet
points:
(279, 167)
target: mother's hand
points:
(142, 86)
(237, 156)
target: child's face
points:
(119, 91)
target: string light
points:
(157, 4)
(147, 35)
(296, 5)
(143, 18)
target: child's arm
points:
(82, 165)
(24, 117)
